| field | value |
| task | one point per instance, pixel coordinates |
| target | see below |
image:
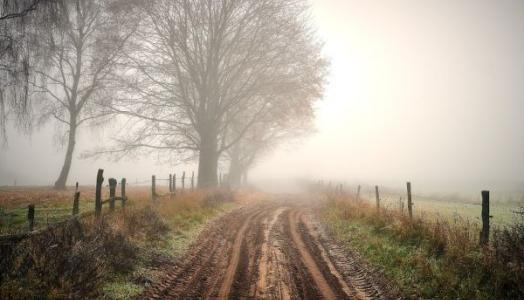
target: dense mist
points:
(424, 92)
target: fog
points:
(427, 91)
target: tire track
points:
(268, 267)
(356, 282)
(320, 281)
(233, 262)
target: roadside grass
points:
(114, 258)
(431, 258)
(184, 218)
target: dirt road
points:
(269, 251)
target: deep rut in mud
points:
(266, 251)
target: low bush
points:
(507, 253)
(68, 261)
(145, 224)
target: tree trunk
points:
(235, 168)
(244, 178)
(64, 173)
(208, 160)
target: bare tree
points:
(287, 121)
(199, 65)
(20, 50)
(84, 52)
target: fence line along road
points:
(32, 209)
(484, 214)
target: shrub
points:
(507, 253)
(69, 261)
(217, 197)
(145, 223)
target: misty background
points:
(429, 91)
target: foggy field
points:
(54, 206)
(504, 212)
(261, 149)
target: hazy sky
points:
(420, 90)
(431, 91)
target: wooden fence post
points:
(76, 188)
(112, 193)
(153, 187)
(193, 180)
(98, 193)
(358, 193)
(31, 216)
(123, 192)
(183, 180)
(76, 202)
(410, 201)
(170, 183)
(484, 234)
(377, 196)
(174, 183)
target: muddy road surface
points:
(267, 251)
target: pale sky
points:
(430, 91)
(419, 90)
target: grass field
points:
(451, 208)
(53, 206)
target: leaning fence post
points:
(377, 196)
(183, 180)
(410, 201)
(484, 234)
(112, 192)
(76, 202)
(358, 193)
(123, 191)
(174, 184)
(31, 216)
(98, 193)
(170, 183)
(193, 180)
(153, 188)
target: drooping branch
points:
(21, 13)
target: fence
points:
(484, 213)
(110, 201)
